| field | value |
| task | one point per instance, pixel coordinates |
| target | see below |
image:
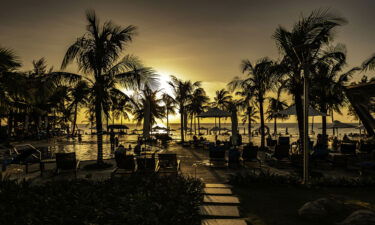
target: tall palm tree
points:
(250, 116)
(97, 54)
(156, 107)
(80, 94)
(260, 79)
(327, 92)
(198, 103)
(182, 91)
(222, 99)
(301, 48)
(169, 106)
(274, 106)
(246, 103)
(9, 62)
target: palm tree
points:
(169, 107)
(9, 62)
(156, 107)
(198, 103)
(274, 106)
(80, 94)
(327, 92)
(246, 103)
(301, 48)
(222, 99)
(259, 80)
(182, 91)
(250, 116)
(97, 54)
(369, 64)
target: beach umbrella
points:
(215, 113)
(291, 111)
(118, 126)
(337, 124)
(159, 128)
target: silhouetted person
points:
(345, 138)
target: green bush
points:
(250, 178)
(136, 200)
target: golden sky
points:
(199, 40)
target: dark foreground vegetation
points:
(135, 200)
(271, 199)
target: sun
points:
(163, 79)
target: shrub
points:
(138, 199)
(250, 178)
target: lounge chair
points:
(67, 162)
(271, 142)
(366, 147)
(24, 155)
(125, 165)
(345, 157)
(284, 141)
(217, 156)
(168, 164)
(146, 165)
(250, 156)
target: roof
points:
(118, 126)
(214, 112)
(291, 110)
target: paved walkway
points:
(220, 207)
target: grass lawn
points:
(278, 205)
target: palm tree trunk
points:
(191, 123)
(299, 110)
(182, 123)
(107, 122)
(99, 129)
(275, 127)
(75, 118)
(195, 125)
(262, 133)
(219, 124)
(324, 129)
(167, 122)
(333, 129)
(199, 126)
(249, 124)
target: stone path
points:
(220, 207)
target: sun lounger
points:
(146, 165)
(168, 164)
(67, 162)
(347, 148)
(217, 156)
(125, 165)
(250, 156)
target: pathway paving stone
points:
(218, 186)
(223, 222)
(219, 199)
(217, 191)
(219, 211)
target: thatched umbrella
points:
(215, 113)
(291, 111)
(337, 124)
